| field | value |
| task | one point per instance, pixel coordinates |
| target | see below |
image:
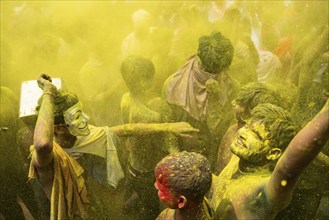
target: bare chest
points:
(241, 198)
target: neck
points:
(191, 211)
(240, 123)
(65, 140)
(138, 96)
(246, 167)
(201, 74)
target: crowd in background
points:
(281, 43)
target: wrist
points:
(49, 93)
(49, 90)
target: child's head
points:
(253, 94)
(215, 52)
(277, 121)
(138, 73)
(181, 177)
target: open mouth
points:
(240, 143)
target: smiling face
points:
(251, 143)
(76, 120)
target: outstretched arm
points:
(180, 129)
(44, 129)
(304, 147)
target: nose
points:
(156, 186)
(242, 133)
(85, 117)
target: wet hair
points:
(63, 101)
(136, 70)
(215, 52)
(255, 93)
(185, 173)
(277, 121)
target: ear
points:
(59, 129)
(273, 154)
(182, 202)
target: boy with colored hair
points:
(182, 180)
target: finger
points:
(191, 130)
(46, 77)
(186, 135)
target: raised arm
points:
(304, 147)
(180, 129)
(302, 70)
(44, 129)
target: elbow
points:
(43, 146)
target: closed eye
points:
(77, 114)
(258, 135)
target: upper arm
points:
(42, 156)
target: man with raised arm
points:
(259, 182)
(59, 175)
(62, 123)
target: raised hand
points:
(45, 83)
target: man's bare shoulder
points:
(125, 100)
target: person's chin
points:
(85, 133)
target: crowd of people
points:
(218, 110)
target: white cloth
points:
(100, 143)
(268, 65)
(187, 88)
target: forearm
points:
(315, 51)
(301, 151)
(139, 129)
(308, 142)
(319, 47)
(44, 130)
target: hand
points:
(212, 86)
(182, 129)
(44, 82)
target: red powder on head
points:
(161, 187)
(164, 192)
(161, 174)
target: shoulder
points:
(165, 85)
(167, 214)
(125, 100)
